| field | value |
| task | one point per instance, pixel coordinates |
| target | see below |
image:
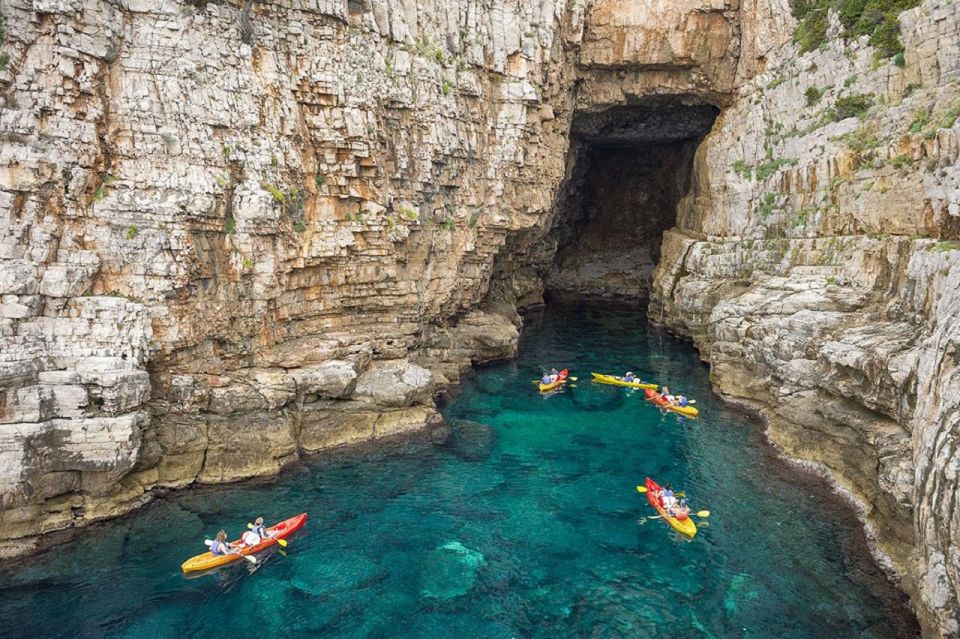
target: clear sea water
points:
(527, 524)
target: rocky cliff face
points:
(815, 265)
(236, 231)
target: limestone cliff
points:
(815, 264)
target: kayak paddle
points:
(282, 542)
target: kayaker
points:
(546, 379)
(259, 528)
(682, 511)
(669, 501)
(554, 375)
(629, 377)
(682, 400)
(220, 545)
(250, 538)
(670, 399)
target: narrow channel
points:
(526, 523)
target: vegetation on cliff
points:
(874, 18)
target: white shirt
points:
(250, 538)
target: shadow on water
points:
(525, 523)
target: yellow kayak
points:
(683, 526)
(616, 381)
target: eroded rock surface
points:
(816, 266)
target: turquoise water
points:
(526, 525)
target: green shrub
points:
(743, 169)
(131, 233)
(318, 180)
(771, 166)
(230, 224)
(921, 118)
(299, 227)
(899, 60)
(874, 18)
(853, 106)
(813, 95)
(777, 81)
(277, 194)
(445, 86)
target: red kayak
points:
(208, 560)
(682, 525)
(561, 380)
(658, 399)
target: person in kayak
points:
(682, 400)
(554, 375)
(260, 529)
(546, 379)
(629, 377)
(670, 399)
(220, 545)
(669, 501)
(250, 539)
(682, 511)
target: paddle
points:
(282, 542)
(250, 558)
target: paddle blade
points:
(679, 494)
(641, 489)
(208, 542)
(250, 526)
(572, 379)
(250, 558)
(703, 513)
(282, 542)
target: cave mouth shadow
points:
(628, 168)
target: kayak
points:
(658, 399)
(683, 526)
(561, 380)
(616, 381)
(208, 560)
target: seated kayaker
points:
(667, 397)
(629, 377)
(554, 375)
(220, 545)
(260, 529)
(682, 511)
(682, 400)
(250, 539)
(669, 501)
(546, 379)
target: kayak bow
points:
(683, 526)
(616, 381)
(658, 399)
(208, 560)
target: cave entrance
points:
(629, 167)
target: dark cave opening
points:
(628, 169)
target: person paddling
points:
(670, 399)
(220, 545)
(629, 377)
(554, 375)
(260, 529)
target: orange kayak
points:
(208, 560)
(659, 400)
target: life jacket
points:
(219, 547)
(260, 530)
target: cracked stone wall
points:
(816, 265)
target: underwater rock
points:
(334, 574)
(450, 571)
(472, 441)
